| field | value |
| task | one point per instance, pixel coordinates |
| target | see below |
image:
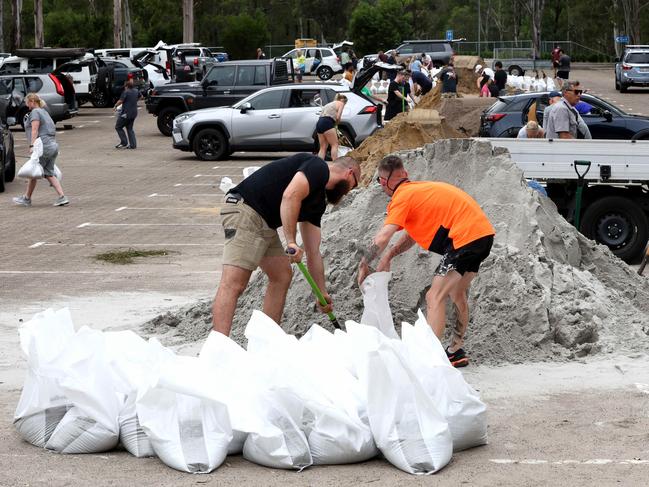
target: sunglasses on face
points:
(576, 92)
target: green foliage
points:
(68, 28)
(380, 26)
(243, 34)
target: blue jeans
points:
(126, 123)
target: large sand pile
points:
(466, 75)
(406, 131)
(546, 292)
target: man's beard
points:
(335, 194)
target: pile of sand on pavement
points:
(405, 131)
(466, 75)
(545, 292)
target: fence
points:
(577, 52)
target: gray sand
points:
(545, 291)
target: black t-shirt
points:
(422, 80)
(449, 80)
(395, 103)
(500, 78)
(263, 189)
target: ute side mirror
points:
(245, 107)
(607, 115)
(617, 59)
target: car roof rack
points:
(636, 46)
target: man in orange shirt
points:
(445, 220)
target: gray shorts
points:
(48, 159)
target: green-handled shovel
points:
(315, 289)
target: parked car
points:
(43, 60)
(329, 61)
(440, 51)
(7, 155)
(605, 121)
(219, 54)
(112, 76)
(55, 89)
(279, 118)
(633, 68)
(224, 85)
(150, 60)
(84, 77)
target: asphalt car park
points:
(158, 197)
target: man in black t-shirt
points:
(500, 76)
(283, 193)
(449, 81)
(398, 92)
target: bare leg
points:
(233, 282)
(436, 301)
(55, 184)
(332, 139)
(278, 270)
(459, 298)
(322, 153)
(31, 186)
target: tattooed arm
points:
(379, 243)
(403, 244)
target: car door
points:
(218, 86)
(602, 126)
(299, 118)
(259, 126)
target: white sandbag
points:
(131, 434)
(376, 303)
(550, 85)
(32, 169)
(226, 184)
(247, 171)
(407, 428)
(456, 400)
(187, 433)
(344, 150)
(91, 426)
(42, 402)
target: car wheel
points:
(516, 70)
(2, 179)
(619, 224)
(166, 120)
(347, 134)
(210, 145)
(624, 88)
(10, 166)
(100, 99)
(325, 73)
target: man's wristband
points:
(31, 145)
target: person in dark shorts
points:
(284, 193)
(326, 126)
(445, 220)
(563, 68)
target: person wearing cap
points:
(563, 119)
(484, 75)
(553, 98)
(531, 130)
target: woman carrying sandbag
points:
(39, 124)
(326, 126)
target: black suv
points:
(223, 85)
(440, 51)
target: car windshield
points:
(638, 58)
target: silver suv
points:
(440, 51)
(279, 118)
(55, 89)
(633, 68)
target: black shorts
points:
(324, 124)
(467, 258)
(563, 74)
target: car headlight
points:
(183, 117)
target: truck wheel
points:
(618, 223)
(210, 145)
(516, 70)
(10, 167)
(166, 120)
(325, 73)
(100, 99)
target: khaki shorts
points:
(248, 238)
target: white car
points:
(329, 61)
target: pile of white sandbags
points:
(530, 83)
(327, 398)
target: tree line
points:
(240, 26)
